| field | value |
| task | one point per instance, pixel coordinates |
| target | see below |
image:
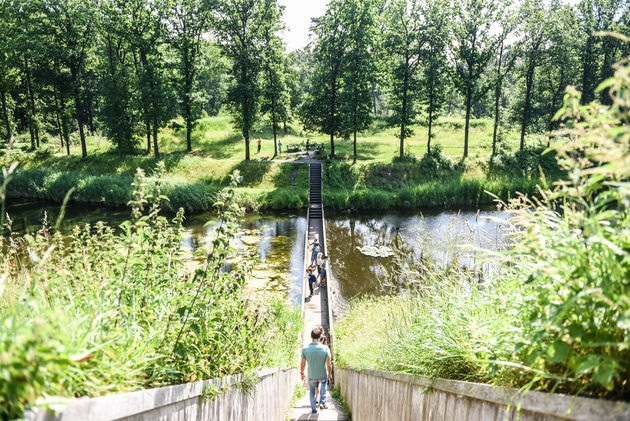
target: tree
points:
(599, 53)
(118, 90)
(504, 62)
(435, 67)
(320, 110)
(240, 27)
(359, 67)
(190, 19)
(147, 37)
(69, 25)
(212, 78)
(534, 40)
(294, 83)
(561, 67)
(404, 43)
(275, 95)
(474, 46)
(9, 75)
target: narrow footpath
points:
(316, 311)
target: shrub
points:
(557, 316)
(434, 162)
(105, 310)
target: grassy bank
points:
(191, 184)
(377, 180)
(556, 316)
(105, 310)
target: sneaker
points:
(322, 406)
(314, 412)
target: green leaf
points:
(605, 373)
(558, 352)
(586, 363)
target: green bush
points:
(557, 315)
(107, 310)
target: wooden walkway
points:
(316, 310)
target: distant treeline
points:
(128, 67)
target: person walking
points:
(320, 396)
(279, 146)
(319, 264)
(319, 368)
(316, 248)
(312, 279)
(259, 142)
(322, 271)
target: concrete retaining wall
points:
(269, 401)
(378, 395)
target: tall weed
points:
(105, 310)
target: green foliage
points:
(404, 22)
(360, 18)
(276, 101)
(474, 46)
(107, 310)
(241, 29)
(527, 162)
(320, 110)
(556, 316)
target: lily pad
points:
(376, 251)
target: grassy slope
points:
(192, 179)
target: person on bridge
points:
(322, 401)
(319, 368)
(322, 271)
(312, 279)
(320, 260)
(317, 247)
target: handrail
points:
(328, 277)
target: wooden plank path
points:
(316, 310)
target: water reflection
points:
(440, 234)
(274, 243)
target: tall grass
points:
(105, 310)
(557, 317)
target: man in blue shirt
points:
(312, 279)
(319, 368)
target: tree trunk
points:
(273, 122)
(355, 147)
(587, 71)
(32, 125)
(148, 126)
(65, 126)
(246, 136)
(468, 106)
(7, 120)
(32, 134)
(90, 114)
(430, 124)
(333, 106)
(497, 97)
(188, 112)
(285, 125)
(79, 116)
(57, 115)
(526, 107)
(156, 150)
(374, 96)
(403, 116)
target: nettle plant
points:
(575, 253)
(105, 310)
